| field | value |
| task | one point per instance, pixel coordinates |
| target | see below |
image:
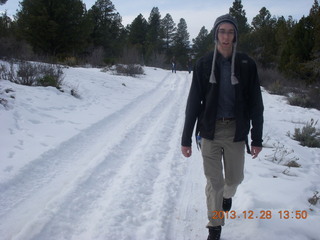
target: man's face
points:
(226, 34)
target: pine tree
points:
(154, 29)
(3, 2)
(314, 11)
(107, 28)
(181, 44)
(286, 43)
(315, 63)
(138, 31)
(138, 35)
(262, 19)
(5, 25)
(202, 43)
(154, 38)
(169, 29)
(296, 58)
(239, 14)
(282, 33)
(303, 39)
(57, 28)
(315, 17)
(263, 37)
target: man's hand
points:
(255, 151)
(186, 151)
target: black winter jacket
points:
(203, 98)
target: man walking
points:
(225, 100)
(173, 64)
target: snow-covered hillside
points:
(108, 165)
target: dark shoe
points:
(214, 233)
(226, 204)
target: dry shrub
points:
(273, 81)
(97, 57)
(129, 70)
(309, 135)
(297, 91)
(33, 74)
(301, 100)
(314, 200)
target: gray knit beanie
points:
(227, 18)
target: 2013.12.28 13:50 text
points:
(263, 214)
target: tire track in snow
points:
(133, 198)
(34, 195)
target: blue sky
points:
(197, 13)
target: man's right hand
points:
(186, 151)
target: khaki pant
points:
(222, 183)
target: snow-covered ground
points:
(108, 165)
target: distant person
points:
(225, 100)
(173, 64)
(189, 65)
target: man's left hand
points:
(255, 151)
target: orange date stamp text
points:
(262, 214)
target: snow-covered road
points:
(124, 169)
(108, 166)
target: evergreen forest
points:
(287, 51)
